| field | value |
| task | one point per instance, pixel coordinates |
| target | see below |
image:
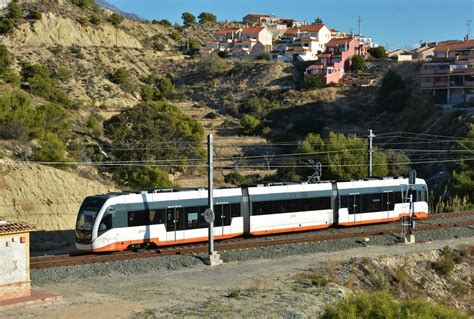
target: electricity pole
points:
(214, 258)
(370, 151)
(359, 20)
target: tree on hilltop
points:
(207, 17)
(188, 18)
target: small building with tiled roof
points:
(15, 259)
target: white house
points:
(303, 43)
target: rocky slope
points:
(44, 196)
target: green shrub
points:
(6, 60)
(263, 56)
(166, 87)
(94, 123)
(358, 63)
(63, 74)
(150, 178)
(94, 19)
(14, 11)
(382, 305)
(35, 15)
(235, 178)
(83, 20)
(258, 107)
(6, 25)
(86, 4)
(163, 22)
(234, 293)
(211, 65)
(312, 82)
(52, 149)
(40, 82)
(445, 264)
(249, 124)
(175, 35)
(378, 52)
(318, 280)
(115, 19)
(394, 94)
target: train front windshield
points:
(86, 218)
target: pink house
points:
(335, 62)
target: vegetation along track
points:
(431, 223)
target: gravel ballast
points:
(169, 263)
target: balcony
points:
(441, 83)
(426, 85)
(427, 71)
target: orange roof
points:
(312, 27)
(337, 41)
(225, 31)
(453, 45)
(15, 227)
(252, 30)
(305, 28)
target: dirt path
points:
(264, 288)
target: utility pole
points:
(408, 224)
(359, 20)
(370, 151)
(214, 258)
(468, 24)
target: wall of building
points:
(15, 266)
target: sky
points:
(394, 24)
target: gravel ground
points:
(181, 286)
(61, 274)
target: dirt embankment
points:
(44, 196)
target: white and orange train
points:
(119, 221)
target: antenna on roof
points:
(468, 25)
(359, 20)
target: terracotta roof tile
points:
(15, 227)
(252, 30)
(337, 41)
(453, 45)
(312, 27)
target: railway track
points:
(77, 258)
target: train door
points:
(222, 218)
(170, 224)
(388, 204)
(175, 224)
(354, 208)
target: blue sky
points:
(396, 23)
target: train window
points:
(192, 220)
(293, 206)
(157, 217)
(371, 203)
(217, 215)
(137, 218)
(105, 224)
(192, 217)
(235, 210)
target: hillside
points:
(83, 50)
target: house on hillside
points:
(255, 19)
(303, 43)
(269, 20)
(449, 76)
(336, 61)
(237, 42)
